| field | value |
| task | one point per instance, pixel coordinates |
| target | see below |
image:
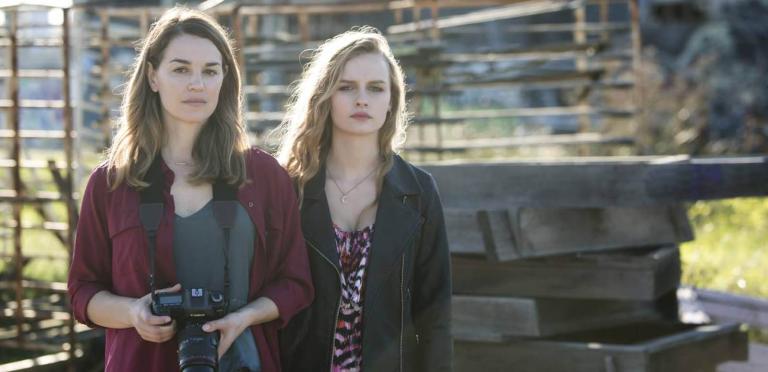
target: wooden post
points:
(106, 126)
(66, 191)
(17, 185)
(435, 14)
(605, 34)
(304, 27)
(580, 38)
(637, 69)
(144, 23)
(237, 30)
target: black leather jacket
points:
(407, 299)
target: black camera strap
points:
(151, 211)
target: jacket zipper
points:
(338, 303)
(402, 309)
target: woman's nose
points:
(196, 84)
(361, 101)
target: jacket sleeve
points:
(91, 268)
(291, 286)
(432, 290)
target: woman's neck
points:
(352, 157)
(179, 141)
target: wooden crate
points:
(642, 347)
(636, 274)
(522, 232)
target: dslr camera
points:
(191, 308)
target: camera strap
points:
(151, 210)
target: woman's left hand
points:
(230, 326)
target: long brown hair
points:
(219, 148)
(305, 133)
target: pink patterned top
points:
(353, 247)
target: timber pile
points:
(573, 265)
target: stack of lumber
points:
(573, 265)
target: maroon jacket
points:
(111, 254)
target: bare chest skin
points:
(189, 198)
(360, 209)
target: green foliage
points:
(730, 251)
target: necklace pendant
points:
(344, 199)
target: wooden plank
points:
(541, 76)
(57, 287)
(36, 134)
(637, 274)
(49, 360)
(523, 9)
(536, 52)
(33, 103)
(33, 164)
(727, 307)
(38, 197)
(36, 314)
(534, 111)
(503, 317)
(594, 182)
(523, 232)
(646, 347)
(29, 73)
(522, 141)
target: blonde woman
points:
(182, 136)
(373, 222)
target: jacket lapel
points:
(396, 224)
(316, 219)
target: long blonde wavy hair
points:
(220, 146)
(304, 136)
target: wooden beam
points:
(523, 232)
(521, 141)
(522, 9)
(728, 307)
(652, 347)
(498, 318)
(635, 274)
(595, 182)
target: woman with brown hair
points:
(182, 142)
(372, 221)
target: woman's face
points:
(360, 103)
(188, 79)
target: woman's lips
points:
(194, 102)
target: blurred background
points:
(590, 82)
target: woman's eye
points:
(211, 72)
(345, 87)
(180, 70)
(376, 89)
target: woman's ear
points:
(152, 77)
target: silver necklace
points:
(344, 194)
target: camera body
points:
(189, 304)
(191, 308)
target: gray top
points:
(199, 257)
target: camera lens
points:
(198, 350)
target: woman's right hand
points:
(151, 327)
